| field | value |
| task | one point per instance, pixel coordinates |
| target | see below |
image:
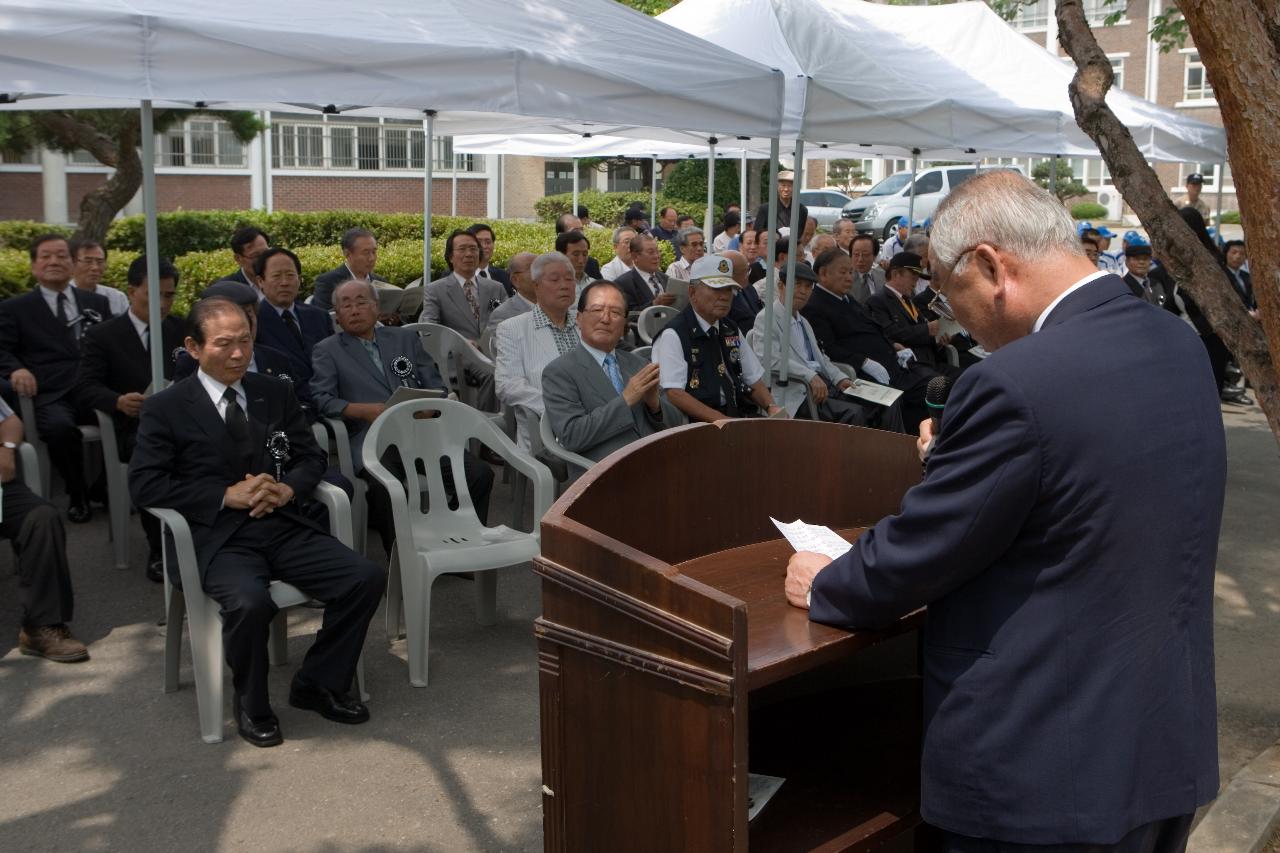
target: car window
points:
(836, 200)
(956, 177)
(813, 199)
(929, 182)
(891, 184)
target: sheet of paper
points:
(977, 351)
(781, 413)
(759, 789)
(812, 537)
(873, 392)
(949, 327)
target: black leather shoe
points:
(259, 731)
(155, 571)
(342, 708)
(79, 513)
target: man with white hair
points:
(691, 243)
(527, 343)
(621, 263)
(1069, 698)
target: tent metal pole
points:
(453, 201)
(429, 159)
(911, 201)
(1222, 179)
(771, 274)
(793, 240)
(573, 209)
(711, 191)
(152, 243)
(653, 191)
(742, 190)
(268, 187)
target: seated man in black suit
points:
(115, 371)
(565, 223)
(484, 236)
(32, 525)
(263, 358)
(202, 450)
(360, 256)
(746, 301)
(847, 334)
(284, 323)
(895, 312)
(645, 284)
(1137, 261)
(246, 244)
(40, 333)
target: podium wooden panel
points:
(670, 662)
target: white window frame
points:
(1191, 61)
(1117, 67)
(1038, 13)
(396, 145)
(1096, 12)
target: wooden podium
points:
(671, 664)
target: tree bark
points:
(119, 151)
(1189, 262)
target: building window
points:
(1034, 16)
(203, 142)
(30, 158)
(1209, 171)
(1096, 12)
(1195, 83)
(365, 145)
(1117, 68)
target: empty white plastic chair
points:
(652, 319)
(202, 613)
(88, 435)
(440, 539)
(118, 502)
(452, 354)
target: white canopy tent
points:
(479, 65)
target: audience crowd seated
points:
(89, 262)
(360, 256)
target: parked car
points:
(824, 205)
(888, 201)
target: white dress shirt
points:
(51, 299)
(116, 299)
(1044, 315)
(140, 326)
(615, 269)
(216, 389)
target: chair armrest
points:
(339, 506)
(552, 446)
(188, 568)
(342, 444)
(30, 462)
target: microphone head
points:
(937, 391)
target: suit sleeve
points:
(896, 328)
(982, 480)
(10, 340)
(431, 309)
(324, 383)
(509, 377)
(322, 297)
(91, 384)
(425, 368)
(577, 428)
(154, 475)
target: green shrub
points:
(1230, 217)
(18, 233)
(1088, 210)
(688, 181)
(607, 208)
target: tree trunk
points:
(99, 207)
(1189, 262)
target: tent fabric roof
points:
(478, 63)
(938, 78)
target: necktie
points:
(910, 307)
(653, 283)
(146, 338)
(61, 312)
(238, 428)
(810, 355)
(375, 355)
(291, 323)
(469, 290)
(615, 374)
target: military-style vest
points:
(715, 364)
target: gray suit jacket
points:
(344, 374)
(863, 291)
(513, 307)
(587, 415)
(443, 303)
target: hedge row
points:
(399, 261)
(607, 208)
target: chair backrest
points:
(538, 447)
(449, 350)
(644, 352)
(652, 319)
(552, 446)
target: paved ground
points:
(95, 757)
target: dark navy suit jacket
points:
(1064, 538)
(314, 324)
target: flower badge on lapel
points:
(90, 317)
(279, 448)
(177, 352)
(402, 367)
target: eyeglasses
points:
(601, 311)
(939, 304)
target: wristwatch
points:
(8, 445)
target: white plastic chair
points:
(118, 502)
(339, 448)
(441, 540)
(206, 622)
(29, 467)
(652, 319)
(551, 445)
(452, 353)
(88, 435)
(644, 352)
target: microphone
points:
(935, 399)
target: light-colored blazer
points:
(587, 414)
(444, 303)
(793, 395)
(344, 374)
(513, 307)
(521, 353)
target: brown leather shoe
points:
(53, 642)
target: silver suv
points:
(888, 201)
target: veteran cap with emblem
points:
(908, 261)
(713, 271)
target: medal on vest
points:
(278, 447)
(695, 365)
(720, 368)
(286, 377)
(403, 368)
